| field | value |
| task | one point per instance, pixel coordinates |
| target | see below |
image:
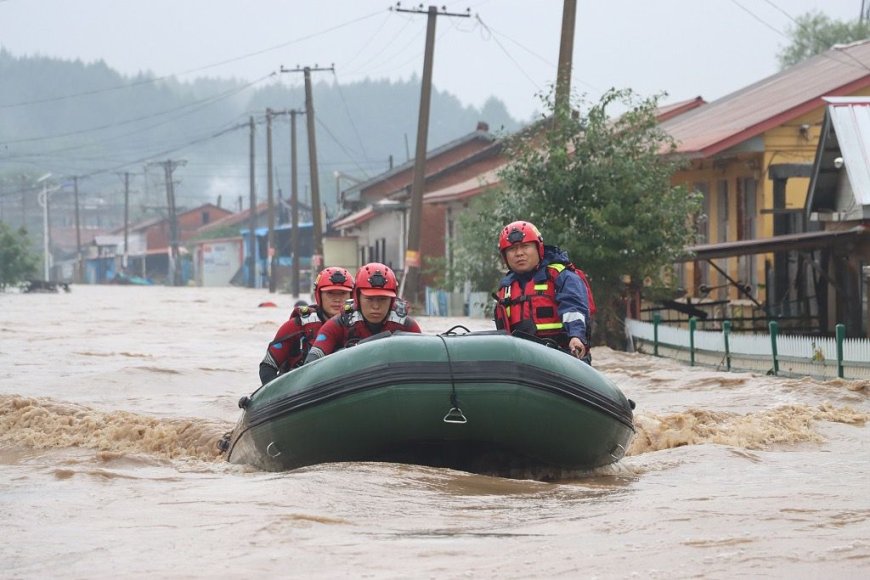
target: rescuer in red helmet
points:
(332, 288)
(376, 308)
(543, 294)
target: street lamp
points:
(43, 201)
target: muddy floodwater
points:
(113, 399)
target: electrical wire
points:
(805, 29)
(350, 117)
(191, 71)
(206, 101)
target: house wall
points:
(158, 235)
(733, 198)
(440, 243)
(218, 261)
(730, 215)
(382, 237)
(190, 221)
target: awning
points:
(785, 243)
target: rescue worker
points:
(542, 294)
(332, 288)
(375, 309)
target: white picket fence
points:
(794, 355)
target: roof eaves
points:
(780, 118)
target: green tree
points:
(17, 262)
(814, 33)
(599, 187)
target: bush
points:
(17, 262)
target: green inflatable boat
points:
(483, 402)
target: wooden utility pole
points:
(413, 257)
(168, 167)
(273, 250)
(566, 53)
(252, 223)
(126, 217)
(294, 206)
(270, 239)
(317, 232)
(78, 273)
(25, 189)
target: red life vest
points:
(294, 338)
(536, 302)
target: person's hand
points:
(577, 348)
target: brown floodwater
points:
(112, 400)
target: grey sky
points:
(685, 47)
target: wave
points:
(788, 424)
(44, 423)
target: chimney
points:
(483, 126)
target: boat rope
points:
(453, 329)
(454, 415)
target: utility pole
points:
(168, 167)
(126, 219)
(43, 201)
(24, 190)
(78, 273)
(294, 206)
(413, 258)
(252, 224)
(270, 239)
(273, 250)
(317, 257)
(566, 53)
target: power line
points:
(349, 116)
(803, 26)
(198, 104)
(190, 71)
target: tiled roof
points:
(387, 175)
(770, 102)
(465, 189)
(355, 219)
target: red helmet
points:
(332, 279)
(520, 233)
(376, 279)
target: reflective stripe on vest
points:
(540, 290)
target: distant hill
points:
(74, 118)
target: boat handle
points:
(454, 415)
(272, 450)
(621, 455)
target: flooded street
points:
(113, 399)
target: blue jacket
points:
(572, 300)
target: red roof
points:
(355, 219)
(672, 110)
(465, 189)
(771, 102)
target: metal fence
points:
(771, 353)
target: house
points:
(839, 201)
(484, 170)
(148, 250)
(377, 210)
(222, 249)
(750, 154)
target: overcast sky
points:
(507, 48)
